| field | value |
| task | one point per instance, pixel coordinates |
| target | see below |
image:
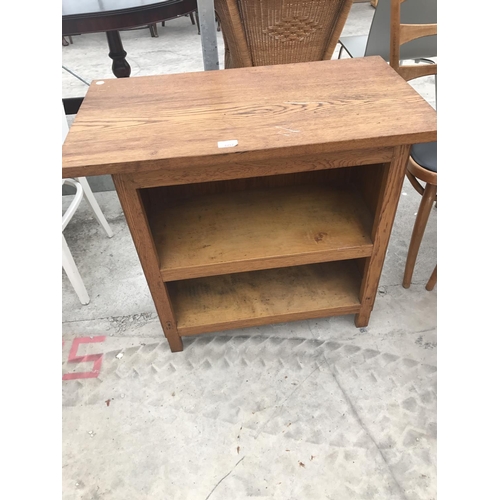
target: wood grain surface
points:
(291, 223)
(263, 297)
(259, 229)
(240, 169)
(390, 189)
(139, 229)
(176, 121)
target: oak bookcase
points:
(290, 223)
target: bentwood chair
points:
(82, 191)
(265, 32)
(422, 163)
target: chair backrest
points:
(412, 12)
(403, 33)
(265, 32)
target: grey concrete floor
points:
(311, 409)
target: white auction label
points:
(227, 144)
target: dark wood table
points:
(268, 198)
(109, 16)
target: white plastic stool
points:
(82, 191)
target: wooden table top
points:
(147, 123)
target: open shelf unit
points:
(290, 222)
(261, 250)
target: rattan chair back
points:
(265, 32)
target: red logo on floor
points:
(95, 358)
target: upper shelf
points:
(224, 233)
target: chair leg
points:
(153, 30)
(424, 210)
(340, 51)
(192, 18)
(89, 196)
(71, 270)
(197, 17)
(432, 280)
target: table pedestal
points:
(121, 68)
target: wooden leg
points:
(362, 319)
(432, 280)
(424, 210)
(120, 67)
(392, 183)
(133, 209)
(191, 16)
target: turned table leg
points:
(121, 68)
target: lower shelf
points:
(203, 305)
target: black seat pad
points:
(425, 155)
